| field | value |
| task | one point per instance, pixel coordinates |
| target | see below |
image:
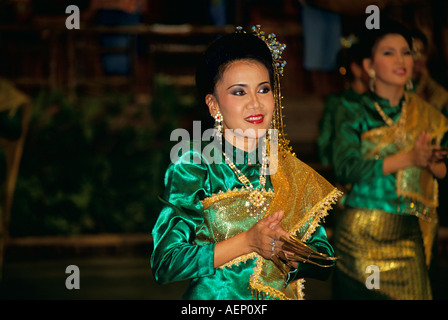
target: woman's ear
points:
(356, 70)
(212, 104)
(367, 65)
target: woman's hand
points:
(436, 164)
(422, 153)
(429, 156)
(438, 155)
(264, 237)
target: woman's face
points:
(245, 99)
(392, 61)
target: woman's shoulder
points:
(351, 110)
(195, 152)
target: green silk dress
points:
(187, 230)
(388, 219)
(326, 124)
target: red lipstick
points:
(255, 118)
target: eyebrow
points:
(245, 85)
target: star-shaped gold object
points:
(256, 198)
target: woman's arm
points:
(438, 169)
(175, 257)
(348, 162)
(421, 156)
(351, 167)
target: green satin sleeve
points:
(174, 257)
(319, 242)
(326, 123)
(349, 164)
(326, 132)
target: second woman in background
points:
(387, 146)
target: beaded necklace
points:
(256, 204)
(399, 132)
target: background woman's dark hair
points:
(346, 57)
(370, 38)
(228, 48)
(417, 34)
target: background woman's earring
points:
(372, 80)
(409, 85)
(218, 124)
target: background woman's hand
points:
(429, 156)
(438, 155)
(422, 152)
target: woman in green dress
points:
(387, 146)
(356, 83)
(227, 216)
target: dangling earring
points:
(218, 124)
(372, 75)
(409, 85)
(267, 145)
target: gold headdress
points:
(278, 64)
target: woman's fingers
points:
(423, 150)
(273, 248)
(265, 235)
(438, 155)
(274, 218)
(424, 138)
(427, 139)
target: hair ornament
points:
(348, 41)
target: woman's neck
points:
(391, 93)
(242, 143)
(358, 85)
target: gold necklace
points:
(399, 130)
(256, 204)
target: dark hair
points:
(226, 49)
(370, 38)
(417, 34)
(347, 56)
